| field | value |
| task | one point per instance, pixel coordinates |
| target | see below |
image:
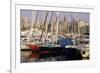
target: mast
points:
(51, 28)
(36, 19)
(30, 33)
(65, 25)
(72, 25)
(48, 26)
(57, 26)
(32, 24)
(43, 27)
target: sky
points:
(31, 15)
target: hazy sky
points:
(41, 15)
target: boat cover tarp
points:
(65, 41)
